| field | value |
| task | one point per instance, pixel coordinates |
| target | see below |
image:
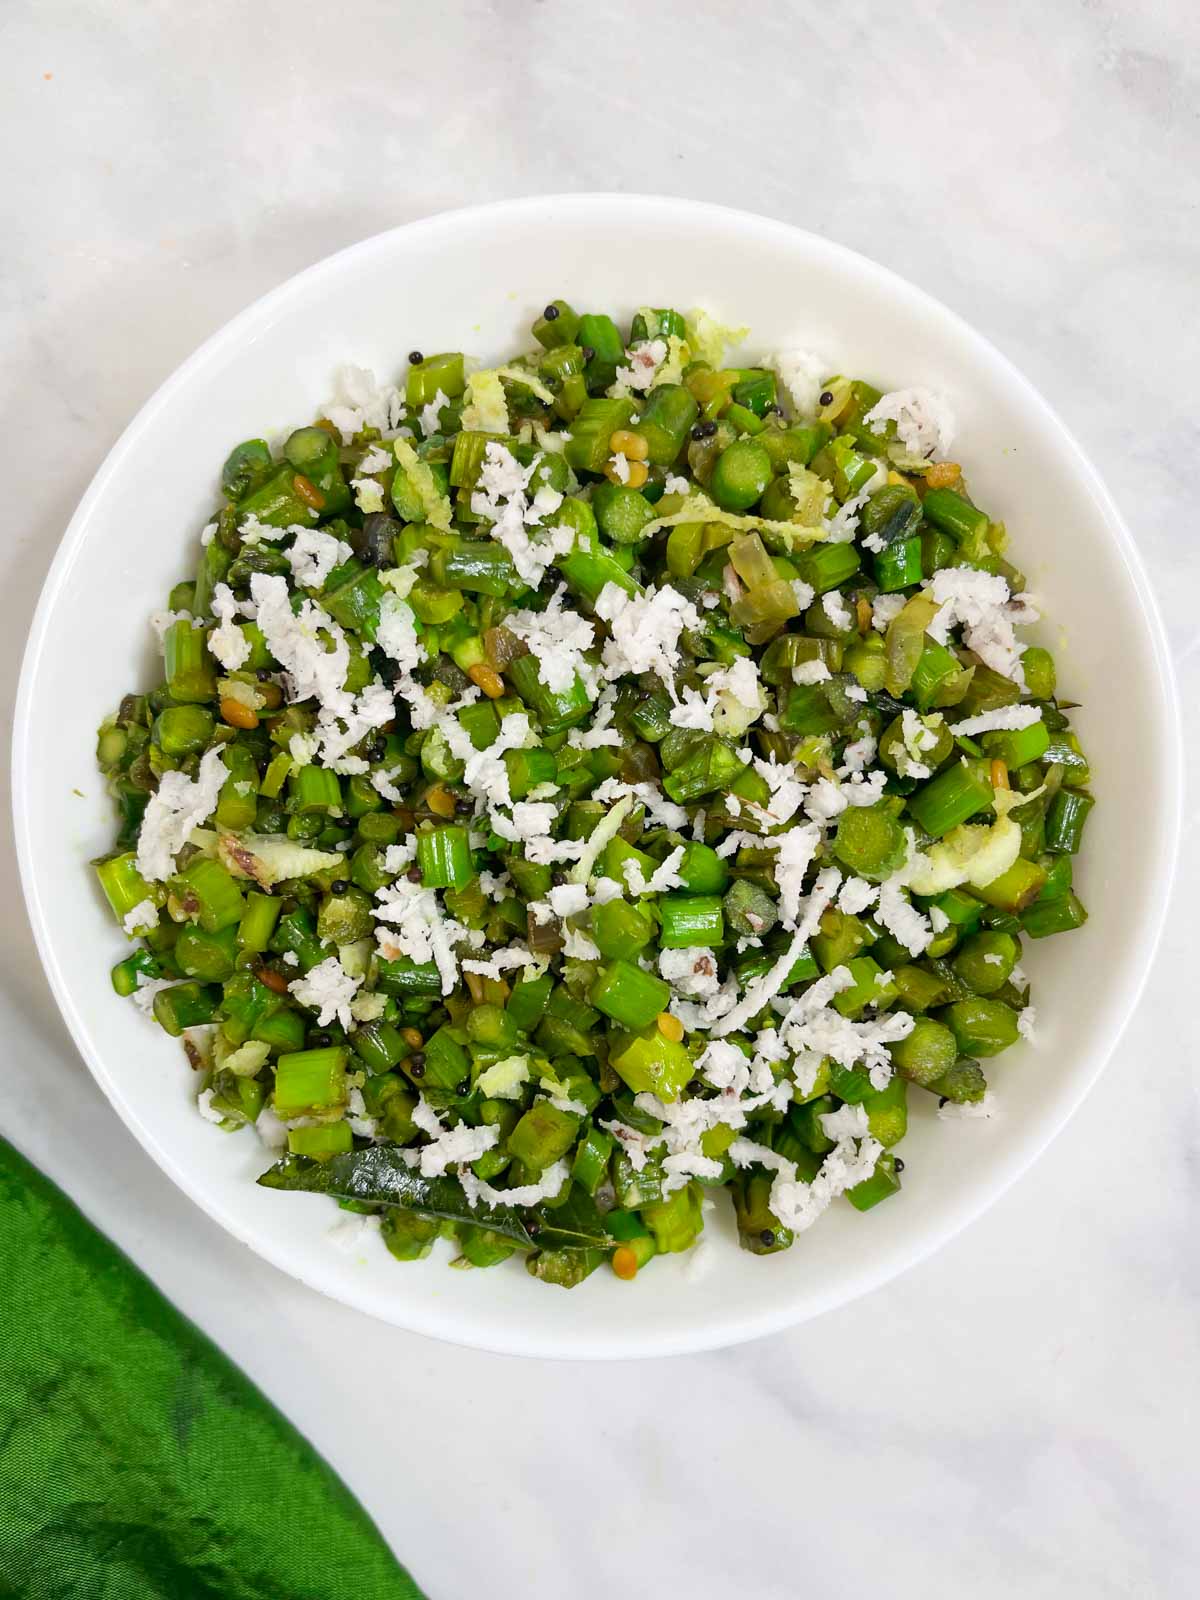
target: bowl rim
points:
(736, 1325)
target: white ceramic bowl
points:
(474, 280)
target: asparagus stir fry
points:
(585, 785)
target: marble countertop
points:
(1016, 1415)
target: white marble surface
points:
(1015, 1416)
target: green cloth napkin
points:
(135, 1461)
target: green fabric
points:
(135, 1461)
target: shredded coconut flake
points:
(660, 880)
(313, 556)
(418, 930)
(204, 1105)
(644, 361)
(430, 413)
(798, 1204)
(547, 1187)
(308, 644)
(360, 402)
(924, 422)
(981, 604)
(557, 639)
(174, 812)
(691, 971)
(328, 989)
(1001, 719)
(836, 609)
(143, 996)
(902, 919)
(501, 500)
(802, 374)
(141, 919)
(885, 608)
(160, 621)
(227, 642)
(645, 630)
(449, 1146)
(969, 1110)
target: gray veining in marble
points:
(1016, 1416)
